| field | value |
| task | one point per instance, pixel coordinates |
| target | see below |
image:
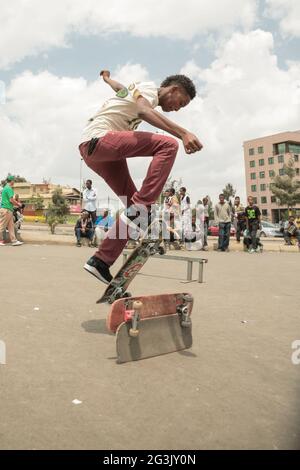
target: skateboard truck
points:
(133, 316)
(184, 312)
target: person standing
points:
(252, 214)
(186, 212)
(206, 222)
(90, 200)
(223, 214)
(239, 218)
(6, 212)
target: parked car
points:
(270, 230)
(213, 229)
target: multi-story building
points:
(264, 158)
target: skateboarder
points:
(110, 137)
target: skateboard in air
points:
(148, 246)
(148, 326)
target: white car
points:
(269, 230)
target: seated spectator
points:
(290, 231)
(103, 224)
(84, 228)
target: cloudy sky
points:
(242, 54)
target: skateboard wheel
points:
(137, 305)
(186, 323)
(133, 333)
(188, 298)
(161, 250)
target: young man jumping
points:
(110, 137)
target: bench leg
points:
(200, 274)
(189, 270)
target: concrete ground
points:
(237, 388)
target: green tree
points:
(58, 211)
(229, 192)
(18, 179)
(286, 188)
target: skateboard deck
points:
(119, 284)
(158, 335)
(152, 306)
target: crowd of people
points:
(184, 227)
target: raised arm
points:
(116, 86)
(147, 113)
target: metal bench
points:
(190, 261)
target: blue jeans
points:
(253, 227)
(224, 234)
(88, 234)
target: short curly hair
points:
(185, 82)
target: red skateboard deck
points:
(152, 306)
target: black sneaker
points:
(99, 269)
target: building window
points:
(273, 198)
(262, 187)
(281, 171)
(253, 176)
(252, 163)
(253, 188)
(281, 148)
(297, 171)
(251, 151)
(294, 148)
(296, 158)
(271, 160)
(261, 162)
(271, 173)
(264, 212)
(263, 200)
(280, 158)
(261, 174)
(260, 150)
(254, 200)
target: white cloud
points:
(43, 119)
(244, 94)
(288, 14)
(31, 26)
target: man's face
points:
(221, 199)
(88, 184)
(237, 201)
(174, 99)
(250, 200)
(181, 192)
